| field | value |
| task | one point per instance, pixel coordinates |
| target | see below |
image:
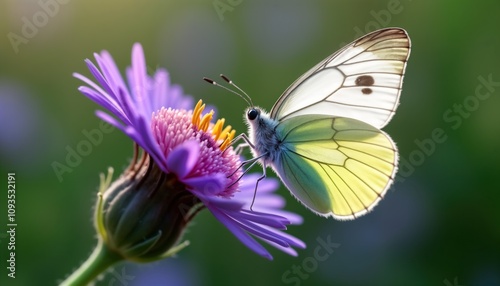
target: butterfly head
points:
(253, 113)
(258, 120)
(257, 117)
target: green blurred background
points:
(438, 225)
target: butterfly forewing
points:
(361, 81)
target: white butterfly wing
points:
(336, 166)
(361, 81)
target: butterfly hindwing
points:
(362, 81)
(336, 166)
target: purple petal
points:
(161, 81)
(241, 235)
(247, 184)
(93, 85)
(261, 232)
(264, 218)
(138, 81)
(292, 240)
(183, 158)
(270, 233)
(293, 218)
(225, 204)
(262, 200)
(140, 134)
(98, 75)
(110, 119)
(105, 102)
(128, 106)
(110, 71)
(208, 185)
(287, 250)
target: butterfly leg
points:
(252, 162)
(246, 144)
(239, 148)
(264, 167)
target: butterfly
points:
(322, 137)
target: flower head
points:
(187, 164)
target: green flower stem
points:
(96, 264)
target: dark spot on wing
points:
(366, 90)
(365, 80)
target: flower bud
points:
(143, 214)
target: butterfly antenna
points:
(238, 88)
(230, 90)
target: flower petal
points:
(274, 221)
(223, 204)
(111, 72)
(183, 158)
(138, 78)
(241, 234)
(208, 185)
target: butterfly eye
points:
(252, 114)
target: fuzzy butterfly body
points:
(322, 137)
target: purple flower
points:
(185, 145)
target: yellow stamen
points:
(216, 130)
(228, 140)
(198, 109)
(224, 133)
(205, 121)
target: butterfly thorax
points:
(262, 132)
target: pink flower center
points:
(172, 127)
